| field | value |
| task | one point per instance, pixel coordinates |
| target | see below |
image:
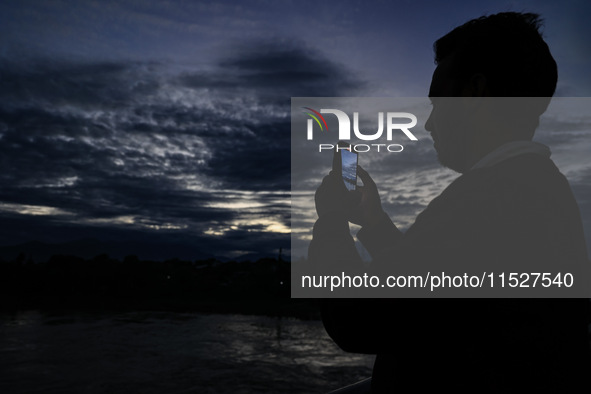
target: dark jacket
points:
(520, 212)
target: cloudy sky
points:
(168, 123)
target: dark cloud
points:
(87, 85)
(278, 71)
(256, 161)
(137, 150)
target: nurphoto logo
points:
(344, 132)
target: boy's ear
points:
(477, 86)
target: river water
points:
(167, 352)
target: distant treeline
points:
(69, 282)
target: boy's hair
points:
(507, 48)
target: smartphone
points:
(349, 168)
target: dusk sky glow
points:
(168, 123)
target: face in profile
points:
(446, 122)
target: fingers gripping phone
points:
(348, 164)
